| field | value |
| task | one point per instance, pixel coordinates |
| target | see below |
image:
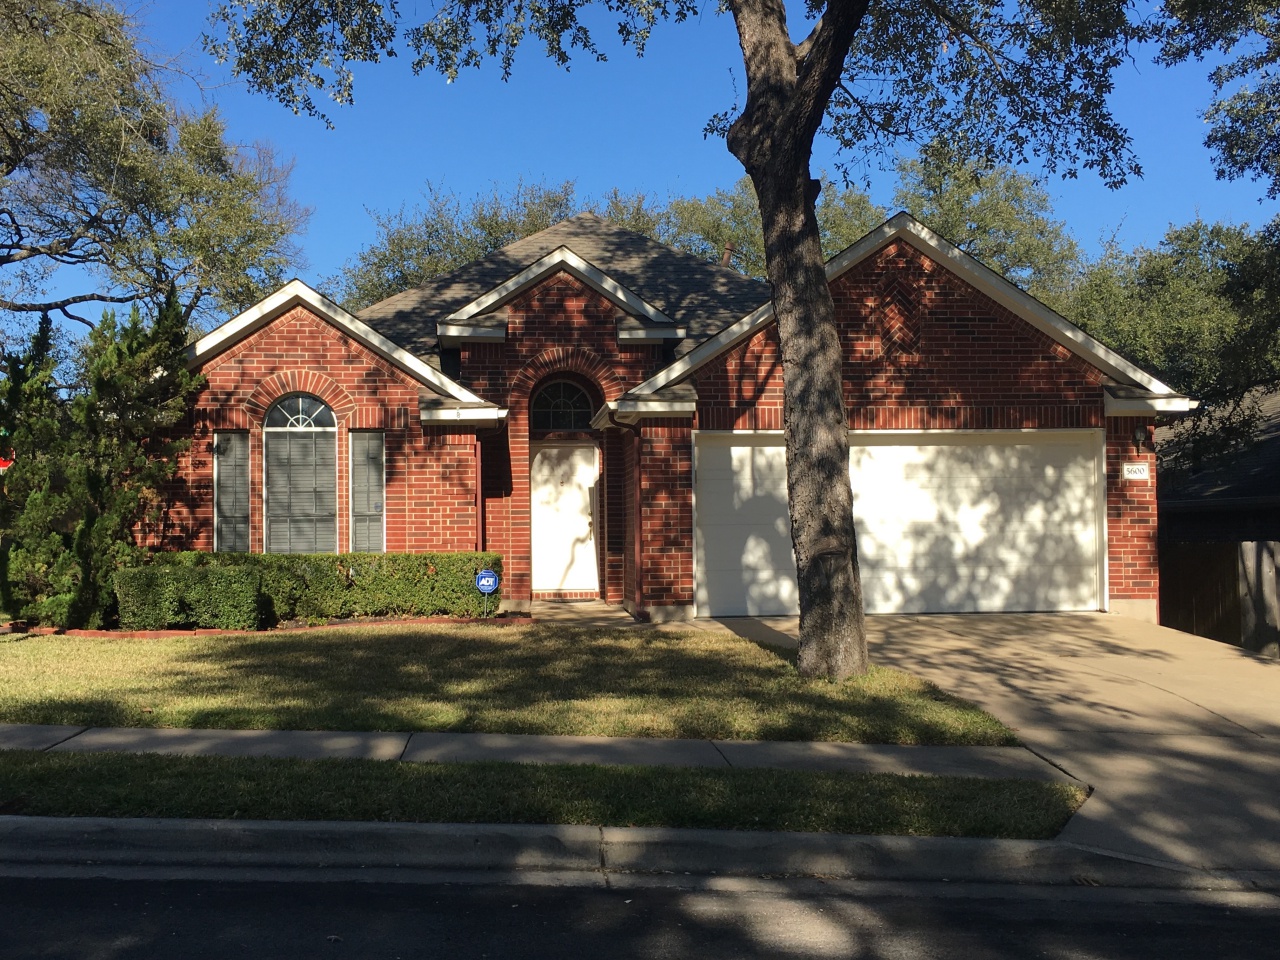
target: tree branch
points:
(819, 73)
(963, 32)
(62, 305)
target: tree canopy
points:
(91, 434)
(109, 191)
(997, 214)
(1245, 35)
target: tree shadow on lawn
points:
(550, 680)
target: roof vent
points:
(726, 258)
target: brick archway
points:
(299, 381)
(559, 361)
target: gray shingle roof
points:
(702, 297)
(1249, 474)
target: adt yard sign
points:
(486, 582)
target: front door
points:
(562, 487)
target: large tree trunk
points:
(787, 90)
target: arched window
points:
(560, 405)
(299, 411)
(300, 438)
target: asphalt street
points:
(193, 920)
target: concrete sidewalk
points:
(460, 747)
(1179, 736)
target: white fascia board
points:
(633, 411)
(296, 293)
(561, 258)
(463, 415)
(905, 227)
(455, 334)
(708, 350)
(1148, 406)
(651, 335)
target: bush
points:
(329, 586)
(159, 597)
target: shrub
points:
(158, 597)
(328, 586)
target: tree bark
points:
(788, 87)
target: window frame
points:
(248, 479)
(555, 382)
(351, 488)
(337, 479)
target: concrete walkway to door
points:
(1179, 736)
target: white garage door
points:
(947, 522)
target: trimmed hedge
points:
(326, 586)
(158, 597)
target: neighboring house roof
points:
(700, 297)
(903, 226)
(1249, 476)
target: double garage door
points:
(946, 522)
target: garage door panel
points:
(959, 523)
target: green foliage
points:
(703, 226)
(105, 182)
(443, 233)
(1243, 37)
(90, 456)
(1169, 308)
(1196, 311)
(160, 597)
(329, 586)
(1002, 217)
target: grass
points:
(541, 679)
(127, 785)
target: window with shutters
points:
(300, 453)
(231, 492)
(368, 487)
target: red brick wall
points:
(1132, 557)
(430, 503)
(666, 513)
(559, 329)
(923, 350)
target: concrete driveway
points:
(1179, 736)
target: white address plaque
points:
(1137, 471)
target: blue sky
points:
(634, 124)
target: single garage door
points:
(947, 522)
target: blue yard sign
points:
(486, 581)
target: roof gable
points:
(903, 226)
(561, 258)
(296, 293)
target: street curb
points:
(92, 844)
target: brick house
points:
(606, 413)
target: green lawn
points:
(533, 679)
(126, 785)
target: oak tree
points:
(1029, 77)
(109, 192)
